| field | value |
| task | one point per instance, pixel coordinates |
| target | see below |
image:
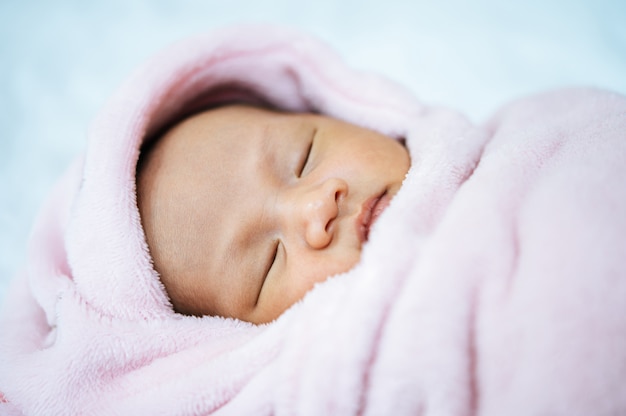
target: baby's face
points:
(245, 209)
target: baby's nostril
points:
(329, 224)
(339, 195)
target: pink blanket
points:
(494, 284)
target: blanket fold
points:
(493, 284)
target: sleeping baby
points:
(245, 208)
(257, 229)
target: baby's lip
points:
(370, 211)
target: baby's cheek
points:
(282, 292)
(338, 263)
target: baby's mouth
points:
(371, 210)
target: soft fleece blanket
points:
(495, 283)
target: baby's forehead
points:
(208, 146)
(239, 128)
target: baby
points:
(246, 208)
(495, 283)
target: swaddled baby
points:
(493, 283)
(245, 208)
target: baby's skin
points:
(245, 209)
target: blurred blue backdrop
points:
(60, 61)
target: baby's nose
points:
(319, 208)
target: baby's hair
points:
(221, 96)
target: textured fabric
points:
(494, 283)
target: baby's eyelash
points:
(273, 259)
(307, 155)
(268, 268)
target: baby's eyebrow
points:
(276, 144)
(265, 149)
(240, 271)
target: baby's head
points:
(245, 209)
